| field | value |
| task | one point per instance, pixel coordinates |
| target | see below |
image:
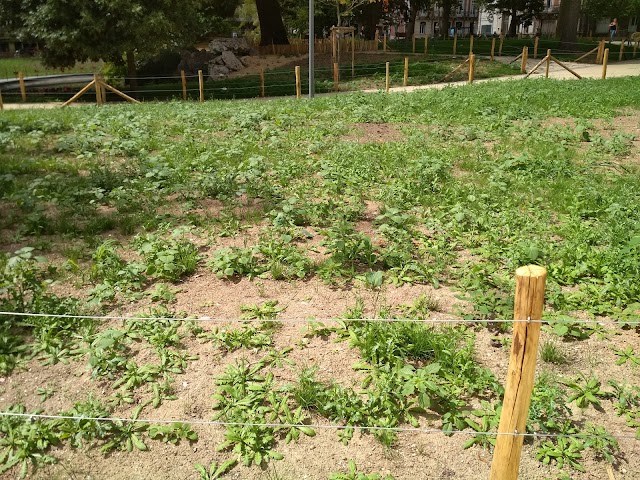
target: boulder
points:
(217, 71)
(191, 62)
(238, 46)
(231, 61)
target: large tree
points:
(272, 29)
(521, 11)
(568, 18)
(414, 7)
(110, 30)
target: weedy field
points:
(286, 222)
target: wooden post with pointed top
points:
(23, 90)
(546, 68)
(493, 48)
(201, 85)
(386, 82)
(529, 304)
(406, 71)
(96, 83)
(605, 62)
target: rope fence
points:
(424, 68)
(39, 416)
(319, 320)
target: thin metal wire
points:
(32, 416)
(314, 320)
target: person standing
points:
(613, 27)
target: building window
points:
(423, 27)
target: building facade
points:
(469, 19)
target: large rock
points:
(238, 46)
(231, 61)
(191, 62)
(217, 71)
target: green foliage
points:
(25, 443)
(173, 433)
(247, 395)
(353, 474)
(563, 452)
(586, 391)
(168, 259)
(551, 352)
(215, 470)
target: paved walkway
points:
(585, 70)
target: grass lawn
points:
(31, 66)
(287, 222)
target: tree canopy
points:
(521, 11)
(79, 30)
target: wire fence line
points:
(39, 416)
(317, 320)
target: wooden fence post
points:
(455, 43)
(501, 40)
(472, 67)
(23, 90)
(353, 55)
(414, 43)
(493, 48)
(529, 303)
(406, 71)
(621, 56)
(386, 83)
(96, 84)
(525, 57)
(471, 45)
(1, 104)
(298, 85)
(103, 91)
(546, 68)
(384, 43)
(184, 85)
(201, 85)
(426, 44)
(605, 61)
(535, 47)
(262, 82)
(336, 77)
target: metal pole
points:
(312, 40)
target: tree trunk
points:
(272, 29)
(513, 26)
(132, 71)
(413, 14)
(568, 23)
(446, 17)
